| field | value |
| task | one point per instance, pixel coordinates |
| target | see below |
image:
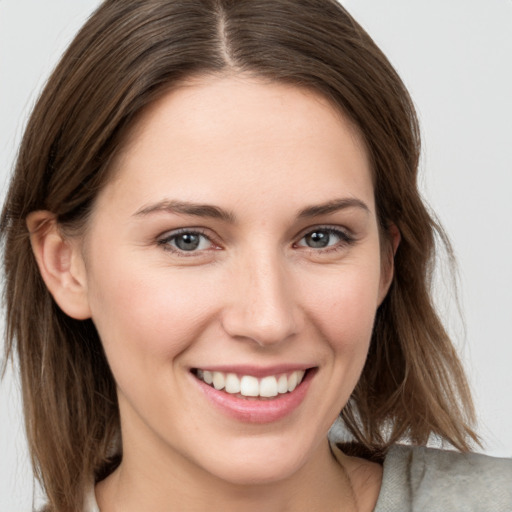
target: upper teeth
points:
(248, 385)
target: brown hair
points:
(125, 57)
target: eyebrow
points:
(332, 207)
(188, 208)
(214, 212)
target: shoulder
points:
(421, 479)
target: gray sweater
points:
(429, 480)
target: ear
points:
(388, 261)
(61, 264)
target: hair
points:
(127, 55)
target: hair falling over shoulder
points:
(125, 57)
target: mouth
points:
(255, 395)
(250, 387)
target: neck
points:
(322, 483)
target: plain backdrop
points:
(456, 58)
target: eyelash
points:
(168, 238)
(345, 239)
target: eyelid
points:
(347, 237)
(164, 239)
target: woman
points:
(222, 247)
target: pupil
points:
(187, 242)
(318, 239)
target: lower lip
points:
(257, 411)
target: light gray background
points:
(456, 58)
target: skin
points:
(253, 293)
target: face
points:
(233, 271)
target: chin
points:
(246, 472)
(254, 462)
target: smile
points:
(255, 396)
(251, 386)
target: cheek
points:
(344, 315)
(344, 307)
(146, 319)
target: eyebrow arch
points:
(187, 208)
(331, 207)
(214, 212)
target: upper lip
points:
(256, 371)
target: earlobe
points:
(60, 264)
(388, 261)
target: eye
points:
(186, 241)
(322, 238)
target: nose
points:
(262, 306)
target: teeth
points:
(268, 386)
(282, 384)
(218, 380)
(292, 381)
(248, 385)
(295, 379)
(232, 383)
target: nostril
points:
(262, 331)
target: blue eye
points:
(324, 237)
(186, 241)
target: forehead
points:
(222, 134)
(240, 104)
